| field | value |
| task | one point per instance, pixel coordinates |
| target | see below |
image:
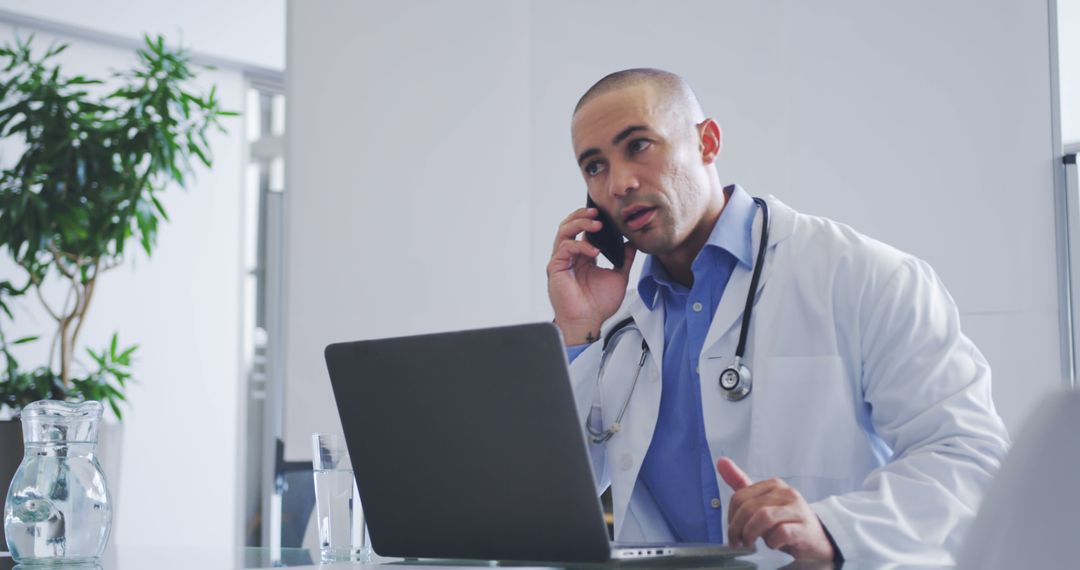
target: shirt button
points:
(715, 503)
(626, 462)
(697, 307)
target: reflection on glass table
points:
(189, 558)
(179, 558)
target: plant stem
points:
(67, 348)
(65, 351)
(88, 292)
(37, 290)
(64, 315)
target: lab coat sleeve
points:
(928, 389)
(583, 372)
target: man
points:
(869, 431)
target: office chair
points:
(1028, 518)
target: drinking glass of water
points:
(342, 530)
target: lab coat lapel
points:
(647, 405)
(651, 324)
(730, 309)
(627, 450)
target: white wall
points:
(430, 158)
(1069, 57)
(179, 474)
(407, 206)
(247, 31)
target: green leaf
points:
(127, 353)
(160, 209)
(117, 394)
(81, 80)
(116, 409)
(200, 153)
(100, 360)
(25, 340)
(55, 49)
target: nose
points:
(622, 180)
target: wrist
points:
(837, 556)
(579, 333)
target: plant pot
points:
(110, 440)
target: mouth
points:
(637, 217)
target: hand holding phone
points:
(583, 294)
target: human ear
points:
(711, 140)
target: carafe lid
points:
(54, 421)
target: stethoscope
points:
(736, 381)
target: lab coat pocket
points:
(803, 421)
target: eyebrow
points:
(618, 139)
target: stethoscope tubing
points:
(602, 436)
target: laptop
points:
(469, 445)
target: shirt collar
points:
(731, 233)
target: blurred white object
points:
(1029, 516)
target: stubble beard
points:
(655, 239)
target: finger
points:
(765, 519)
(586, 212)
(732, 475)
(589, 220)
(782, 536)
(566, 254)
(746, 494)
(580, 214)
(569, 230)
(569, 252)
(743, 504)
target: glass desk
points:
(180, 558)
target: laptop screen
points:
(468, 445)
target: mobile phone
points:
(608, 240)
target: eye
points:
(594, 168)
(638, 145)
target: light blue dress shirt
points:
(678, 468)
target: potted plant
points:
(81, 196)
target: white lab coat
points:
(867, 398)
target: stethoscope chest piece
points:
(736, 381)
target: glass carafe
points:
(57, 508)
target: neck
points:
(679, 262)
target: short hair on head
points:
(673, 88)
